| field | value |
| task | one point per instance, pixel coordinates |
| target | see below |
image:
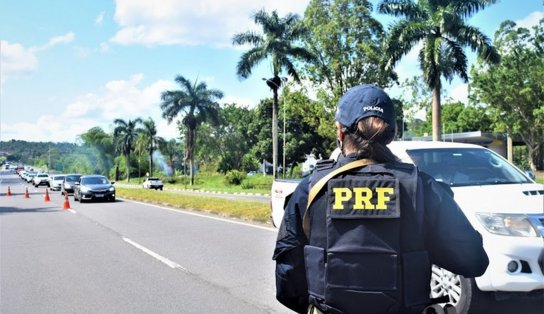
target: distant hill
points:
(33, 152)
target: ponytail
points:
(369, 138)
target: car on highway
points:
(55, 181)
(501, 202)
(94, 187)
(29, 176)
(41, 178)
(152, 183)
(68, 183)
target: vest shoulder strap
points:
(316, 188)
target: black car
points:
(68, 183)
(94, 187)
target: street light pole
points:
(284, 118)
(274, 84)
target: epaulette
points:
(324, 164)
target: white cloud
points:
(104, 47)
(459, 93)
(124, 99)
(100, 18)
(16, 61)
(206, 22)
(57, 40)
(530, 20)
(241, 102)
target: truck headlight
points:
(507, 224)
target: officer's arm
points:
(291, 286)
(451, 240)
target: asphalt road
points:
(127, 257)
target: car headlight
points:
(84, 189)
(507, 224)
(112, 189)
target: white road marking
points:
(72, 211)
(155, 255)
(206, 216)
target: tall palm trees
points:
(276, 43)
(198, 103)
(440, 25)
(152, 141)
(124, 134)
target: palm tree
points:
(152, 141)
(124, 134)
(276, 43)
(440, 25)
(199, 105)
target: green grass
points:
(252, 184)
(246, 210)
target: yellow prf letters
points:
(362, 197)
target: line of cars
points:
(82, 187)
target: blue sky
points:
(67, 66)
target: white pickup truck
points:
(503, 203)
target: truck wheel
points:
(462, 292)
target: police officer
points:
(361, 233)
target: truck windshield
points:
(466, 166)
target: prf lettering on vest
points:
(362, 197)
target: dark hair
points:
(369, 138)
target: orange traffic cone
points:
(66, 204)
(9, 192)
(46, 197)
(26, 193)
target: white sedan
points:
(152, 183)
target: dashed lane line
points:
(162, 259)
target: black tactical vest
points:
(366, 242)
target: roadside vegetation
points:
(255, 184)
(245, 210)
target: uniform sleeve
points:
(291, 286)
(451, 240)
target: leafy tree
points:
(440, 25)
(347, 41)
(170, 150)
(199, 105)
(124, 134)
(458, 117)
(227, 143)
(259, 127)
(300, 132)
(152, 141)
(514, 89)
(140, 148)
(100, 145)
(277, 43)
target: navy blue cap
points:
(364, 101)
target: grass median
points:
(242, 209)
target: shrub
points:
(247, 185)
(235, 177)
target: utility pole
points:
(49, 158)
